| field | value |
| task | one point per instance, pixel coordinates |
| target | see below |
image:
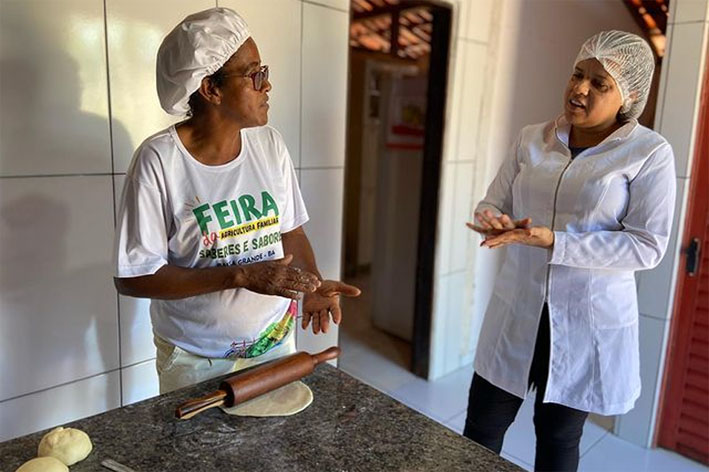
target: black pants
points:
(558, 428)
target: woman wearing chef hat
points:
(210, 224)
(581, 203)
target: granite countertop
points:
(349, 427)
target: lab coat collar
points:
(562, 130)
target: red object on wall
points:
(684, 414)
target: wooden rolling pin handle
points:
(327, 355)
(198, 405)
(254, 382)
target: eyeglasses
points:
(257, 78)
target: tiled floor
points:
(382, 361)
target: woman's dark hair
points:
(195, 103)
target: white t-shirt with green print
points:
(177, 210)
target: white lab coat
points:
(611, 211)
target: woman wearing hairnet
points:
(210, 224)
(581, 203)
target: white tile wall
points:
(139, 382)
(681, 95)
(322, 192)
(684, 11)
(454, 102)
(134, 314)
(477, 19)
(471, 101)
(457, 313)
(467, 82)
(462, 237)
(324, 87)
(471, 320)
(136, 330)
(439, 319)
(459, 17)
(58, 307)
(54, 90)
(637, 425)
(278, 37)
(464, 13)
(57, 302)
(135, 30)
(56, 406)
(446, 226)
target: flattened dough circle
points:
(284, 401)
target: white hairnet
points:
(629, 60)
(194, 49)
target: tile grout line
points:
(138, 363)
(457, 414)
(300, 92)
(518, 458)
(687, 22)
(479, 42)
(654, 317)
(323, 168)
(115, 174)
(452, 273)
(463, 65)
(329, 7)
(65, 384)
(606, 433)
(113, 187)
(35, 176)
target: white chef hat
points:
(629, 60)
(196, 48)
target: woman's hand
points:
(538, 236)
(502, 230)
(277, 277)
(318, 305)
(490, 225)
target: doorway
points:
(684, 410)
(398, 75)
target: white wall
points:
(471, 69)
(77, 95)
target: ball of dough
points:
(69, 445)
(43, 464)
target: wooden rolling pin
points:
(257, 381)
